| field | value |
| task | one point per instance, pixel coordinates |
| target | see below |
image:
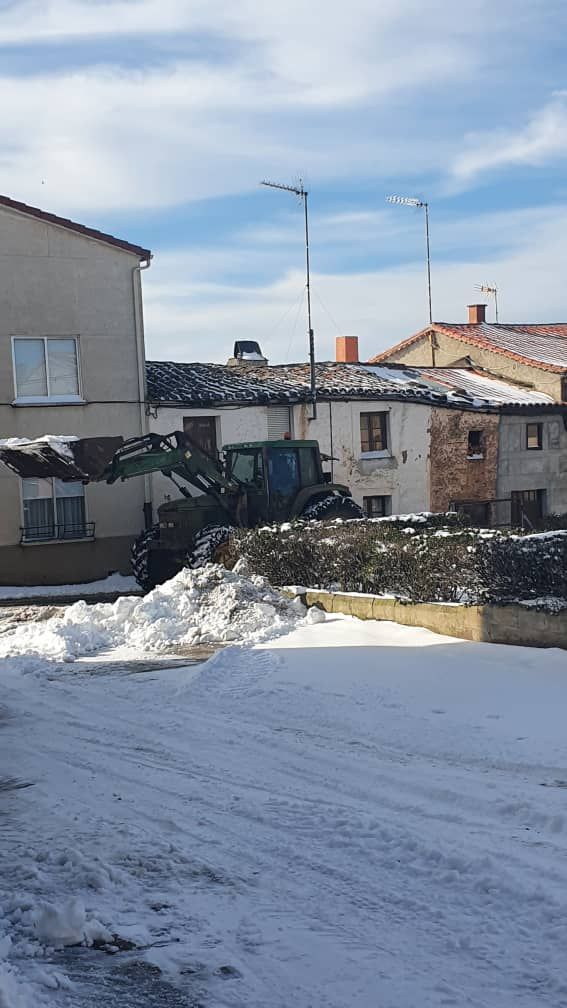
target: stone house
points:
(533, 355)
(71, 362)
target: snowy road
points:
(351, 815)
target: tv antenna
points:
(493, 291)
(302, 194)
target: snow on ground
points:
(108, 585)
(353, 814)
(195, 607)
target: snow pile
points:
(207, 605)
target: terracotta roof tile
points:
(543, 345)
(64, 222)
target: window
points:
(377, 507)
(46, 368)
(373, 432)
(279, 422)
(283, 471)
(534, 440)
(564, 389)
(247, 466)
(310, 474)
(477, 513)
(475, 446)
(54, 510)
(203, 431)
(528, 507)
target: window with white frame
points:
(54, 510)
(46, 368)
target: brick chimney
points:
(477, 314)
(347, 350)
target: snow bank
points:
(112, 583)
(207, 605)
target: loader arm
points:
(171, 454)
(109, 459)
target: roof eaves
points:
(69, 225)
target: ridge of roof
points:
(510, 340)
(82, 229)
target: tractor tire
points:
(140, 558)
(209, 546)
(332, 507)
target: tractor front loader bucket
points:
(79, 459)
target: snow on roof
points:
(217, 384)
(542, 344)
(479, 385)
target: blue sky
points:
(156, 119)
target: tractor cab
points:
(275, 476)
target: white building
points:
(71, 362)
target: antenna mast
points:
(302, 194)
(493, 290)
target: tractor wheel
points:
(140, 557)
(332, 507)
(209, 546)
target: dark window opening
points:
(528, 507)
(564, 389)
(310, 475)
(373, 432)
(203, 431)
(475, 445)
(534, 436)
(377, 507)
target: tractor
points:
(257, 482)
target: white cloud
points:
(322, 88)
(200, 321)
(543, 139)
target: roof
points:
(538, 344)
(480, 385)
(208, 385)
(64, 222)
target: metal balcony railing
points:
(57, 533)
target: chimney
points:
(247, 353)
(347, 350)
(477, 314)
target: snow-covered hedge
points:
(435, 560)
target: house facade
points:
(531, 355)
(71, 362)
(403, 439)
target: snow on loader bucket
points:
(66, 458)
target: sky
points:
(156, 120)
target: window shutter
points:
(279, 422)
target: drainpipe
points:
(141, 358)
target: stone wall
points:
(455, 472)
(513, 624)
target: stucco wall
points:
(402, 473)
(521, 469)
(56, 283)
(454, 475)
(449, 350)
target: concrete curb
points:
(509, 624)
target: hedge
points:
(431, 559)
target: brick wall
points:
(453, 475)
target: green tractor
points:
(258, 482)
